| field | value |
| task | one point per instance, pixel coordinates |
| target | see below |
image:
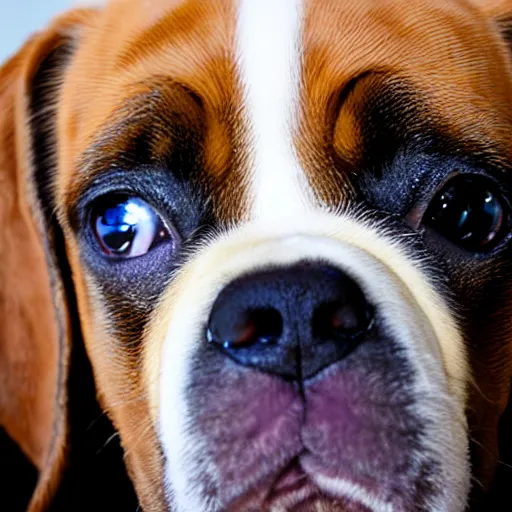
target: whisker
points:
(108, 441)
(95, 421)
(477, 482)
(504, 464)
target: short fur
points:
(170, 99)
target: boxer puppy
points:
(285, 230)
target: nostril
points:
(259, 325)
(341, 319)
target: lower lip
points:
(292, 488)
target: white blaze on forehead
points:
(269, 34)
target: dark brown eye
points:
(469, 212)
(127, 226)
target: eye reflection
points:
(469, 212)
(127, 226)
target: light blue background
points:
(19, 18)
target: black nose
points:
(291, 321)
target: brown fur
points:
(34, 340)
(435, 46)
(134, 55)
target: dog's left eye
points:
(127, 226)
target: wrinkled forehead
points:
(279, 84)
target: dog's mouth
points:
(291, 489)
(336, 443)
(294, 489)
(291, 481)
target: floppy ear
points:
(499, 13)
(35, 328)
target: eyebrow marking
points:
(269, 59)
(158, 121)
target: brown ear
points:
(499, 14)
(35, 329)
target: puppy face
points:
(287, 225)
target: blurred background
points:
(19, 18)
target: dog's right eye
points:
(126, 227)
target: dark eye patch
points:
(406, 149)
(400, 143)
(130, 287)
(151, 148)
